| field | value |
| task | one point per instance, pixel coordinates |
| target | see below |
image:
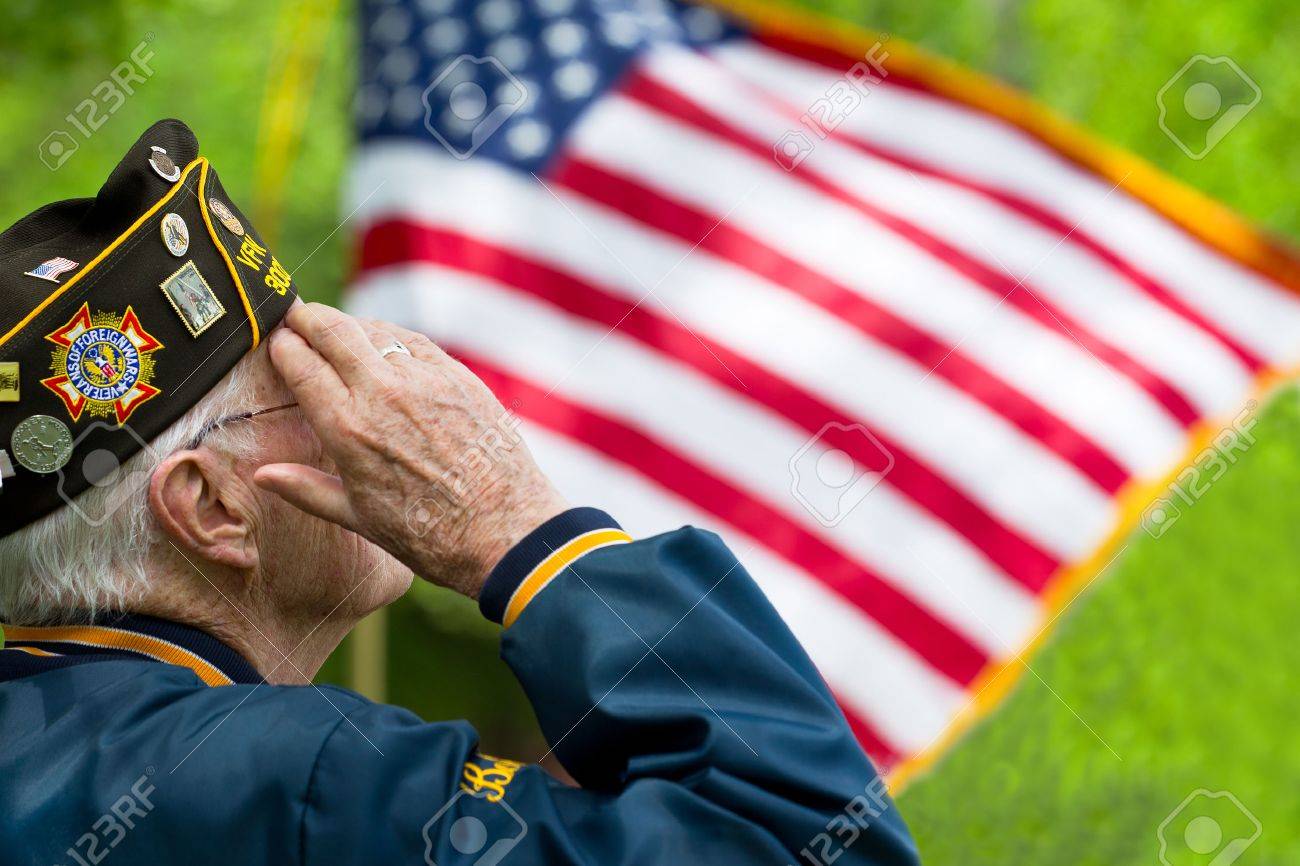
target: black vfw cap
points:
(117, 314)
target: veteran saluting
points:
(185, 537)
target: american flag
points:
(52, 269)
(919, 352)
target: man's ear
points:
(186, 498)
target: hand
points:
(430, 465)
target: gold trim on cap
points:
(103, 254)
(225, 254)
(202, 164)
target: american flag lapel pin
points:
(52, 269)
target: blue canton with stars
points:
(505, 79)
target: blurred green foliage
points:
(1173, 673)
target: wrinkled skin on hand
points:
(430, 465)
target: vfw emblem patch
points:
(103, 364)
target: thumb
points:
(311, 490)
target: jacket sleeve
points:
(667, 686)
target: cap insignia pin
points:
(226, 216)
(163, 165)
(51, 269)
(9, 382)
(102, 363)
(192, 299)
(175, 234)
(42, 444)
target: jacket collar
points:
(117, 636)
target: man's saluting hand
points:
(429, 466)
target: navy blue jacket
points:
(663, 679)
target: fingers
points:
(340, 340)
(309, 490)
(381, 337)
(314, 383)
(421, 346)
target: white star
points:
(622, 30)
(497, 15)
(655, 19)
(446, 35)
(554, 7)
(650, 8)
(518, 95)
(406, 104)
(453, 72)
(528, 138)
(370, 103)
(399, 65)
(391, 25)
(576, 79)
(702, 23)
(456, 125)
(511, 50)
(564, 38)
(436, 8)
(468, 101)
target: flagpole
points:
(368, 654)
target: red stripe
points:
(728, 242)
(881, 753)
(396, 242)
(1030, 211)
(1018, 293)
(1039, 215)
(1278, 252)
(933, 640)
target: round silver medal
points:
(175, 234)
(162, 164)
(42, 444)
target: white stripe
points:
(1077, 281)
(751, 447)
(879, 678)
(992, 462)
(835, 240)
(1260, 314)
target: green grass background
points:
(1174, 672)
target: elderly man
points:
(189, 534)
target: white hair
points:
(62, 566)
